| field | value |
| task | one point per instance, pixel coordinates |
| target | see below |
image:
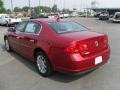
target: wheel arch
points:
(38, 50)
(5, 37)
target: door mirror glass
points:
(11, 30)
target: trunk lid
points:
(94, 42)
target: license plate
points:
(98, 60)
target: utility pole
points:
(29, 11)
(29, 4)
(81, 6)
(12, 5)
(54, 2)
(39, 6)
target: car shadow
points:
(59, 77)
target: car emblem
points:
(96, 43)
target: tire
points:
(7, 24)
(7, 45)
(43, 65)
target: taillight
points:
(105, 41)
(77, 48)
(83, 47)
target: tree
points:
(74, 9)
(2, 9)
(54, 8)
(66, 10)
(42, 9)
(8, 11)
(17, 9)
(26, 8)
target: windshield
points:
(7, 16)
(65, 27)
(117, 15)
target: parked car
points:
(36, 16)
(52, 16)
(61, 15)
(66, 15)
(115, 17)
(7, 20)
(104, 16)
(63, 46)
(97, 15)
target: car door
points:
(28, 42)
(15, 37)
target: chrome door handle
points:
(18, 37)
(32, 40)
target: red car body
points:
(74, 52)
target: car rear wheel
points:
(43, 64)
(7, 45)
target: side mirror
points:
(11, 30)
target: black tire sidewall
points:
(9, 45)
(48, 66)
(7, 24)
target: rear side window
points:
(32, 27)
(66, 27)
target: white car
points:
(7, 20)
(52, 16)
(115, 17)
(66, 15)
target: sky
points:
(68, 3)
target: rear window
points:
(66, 27)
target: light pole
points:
(29, 4)
(12, 5)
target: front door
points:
(15, 36)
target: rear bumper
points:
(78, 64)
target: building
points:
(111, 11)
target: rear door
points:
(29, 40)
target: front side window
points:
(66, 26)
(20, 27)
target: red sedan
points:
(57, 45)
